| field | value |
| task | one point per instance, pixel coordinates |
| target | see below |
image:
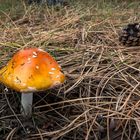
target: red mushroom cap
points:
(31, 69)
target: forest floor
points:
(100, 99)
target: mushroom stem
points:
(26, 104)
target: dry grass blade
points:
(10, 135)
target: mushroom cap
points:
(30, 70)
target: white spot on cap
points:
(59, 66)
(53, 68)
(17, 81)
(34, 54)
(29, 60)
(37, 67)
(51, 72)
(57, 76)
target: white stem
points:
(26, 104)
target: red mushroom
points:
(31, 70)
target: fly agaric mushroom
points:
(31, 70)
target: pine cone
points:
(130, 35)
